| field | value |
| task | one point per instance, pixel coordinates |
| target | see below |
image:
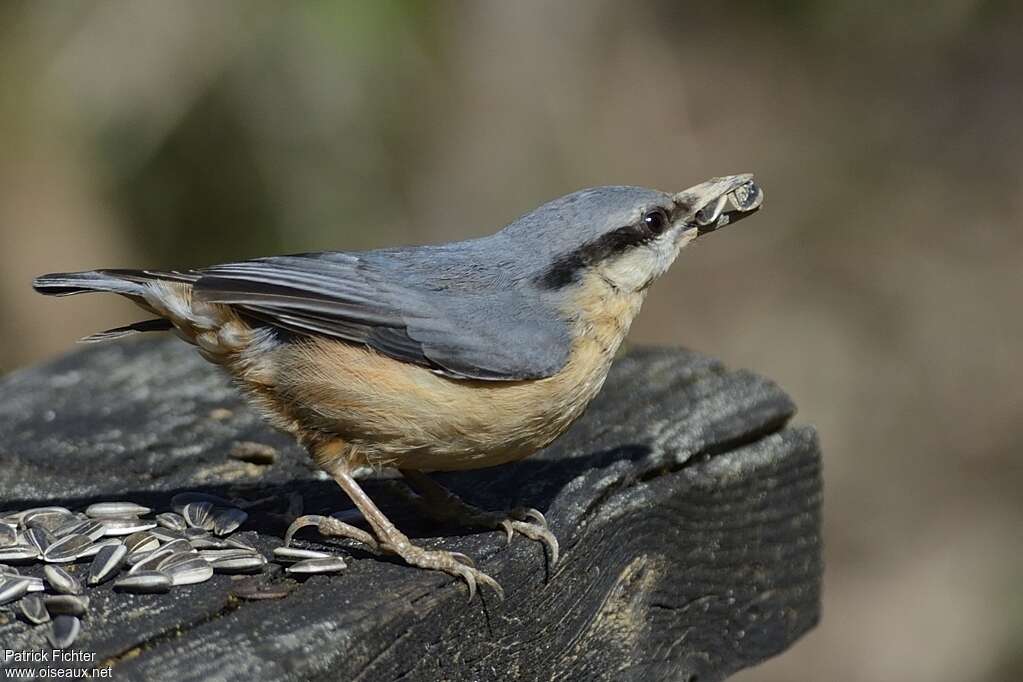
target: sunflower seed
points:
(310, 566)
(34, 610)
(172, 521)
(139, 554)
(62, 581)
(214, 554)
(11, 518)
(227, 519)
(46, 520)
(166, 534)
(125, 526)
(69, 526)
(747, 197)
(143, 541)
(197, 515)
(96, 529)
(38, 537)
(138, 557)
(64, 631)
(289, 554)
(7, 571)
(92, 529)
(116, 510)
(179, 547)
(711, 212)
(194, 570)
(66, 549)
(66, 604)
(179, 501)
(18, 554)
(46, 517)
(13, 589)
(151, 561)
(175, 559)
(106, 563)
(8, 536)
(244, 563)
(35, 584)
(207, 542)
(144, 582)
(94, 548)
(238, 543)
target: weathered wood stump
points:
(687, 510)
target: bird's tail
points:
(134, 284)
(124, 282)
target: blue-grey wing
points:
(420, 310)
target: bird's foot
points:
(452, 563)
(395, 542)
(442, 505)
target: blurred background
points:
(880, 286)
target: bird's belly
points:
(390, 413)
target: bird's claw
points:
(330, 527)
(535, 532)
(472, 576)
(531, 523)
(530, 513)
(452, 563)
(463, 558)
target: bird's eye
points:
(656, 221)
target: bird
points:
(432, 358)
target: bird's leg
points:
(387, 536)
(443, 505)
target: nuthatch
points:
(432, 358)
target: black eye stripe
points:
(567, 267)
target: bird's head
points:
(628, 236)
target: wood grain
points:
(687, 509)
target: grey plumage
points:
(469, 309)
(412, 304)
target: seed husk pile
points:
(126, 544)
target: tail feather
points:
(69, 283)
(125, 282)
(135, 284)
(156, 325)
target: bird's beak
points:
(718, 202)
